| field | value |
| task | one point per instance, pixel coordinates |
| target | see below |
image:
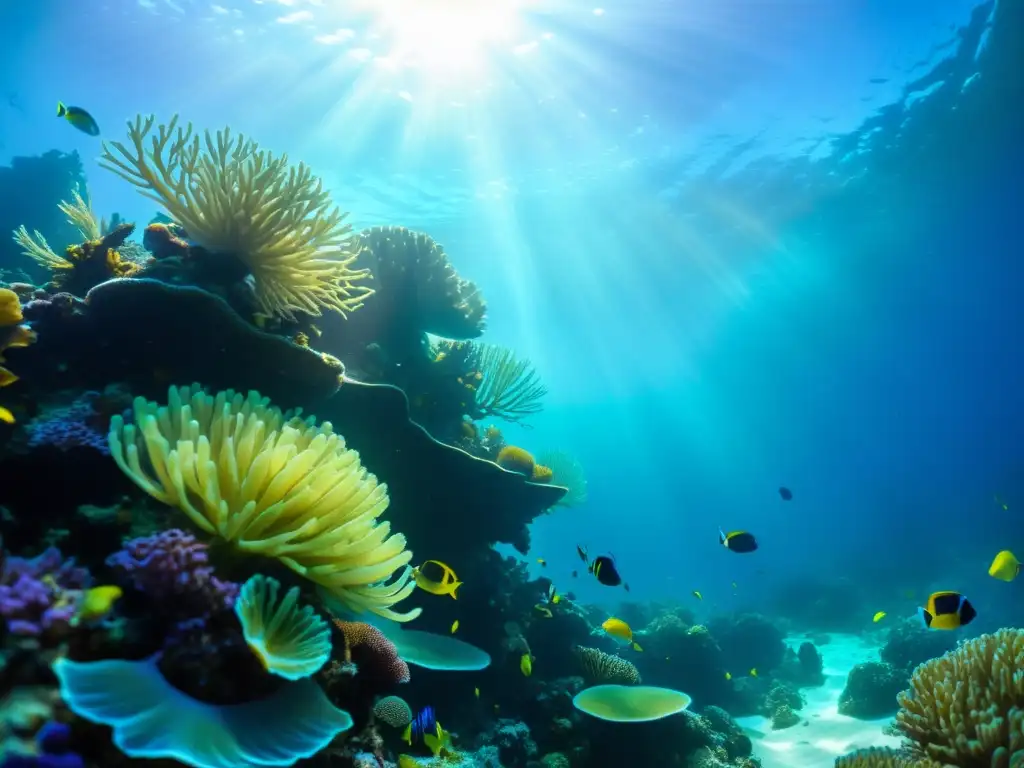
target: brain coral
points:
(966, 708)
(393, 710)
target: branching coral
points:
(966, 708)
(510, 388)
(601, 667)
(81, 216)
(273, 484)
(82, 266)
(234, 198)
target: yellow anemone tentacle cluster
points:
(272, 484)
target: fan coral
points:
(601, 667)
(272, 484)
(393, 710)
(39, 596)
(515, 459)
(290, 642)
(372, 651)
(416, 277)
(566, 471)
(12, 333)
(234, 198)
(967, 707)
(173, 568)
(510, 388)
(878, 757)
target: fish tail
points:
(455, 589)
(61, 109)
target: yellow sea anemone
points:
(291, 642)
(272, 484)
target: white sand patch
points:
(823, 733)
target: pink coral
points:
(372, 652)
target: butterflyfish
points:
(96, 603)
(455, 626)
(737, 541)
(605, 572)
(947, 610)
(79, 118)
(696, 593)
(436, 578)
(621, 632)
(1005, 566)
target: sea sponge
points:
(291, 642)
(966, 708)
(541, 474)
(271, 484)
(372, 652)
(630, 703)
(881, 757)
(516, 459)
(152, 719)
(393, 710)
(601, 667)
(234, 198)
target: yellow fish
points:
(734, 585)
(441, 741)
(696, 593)
(79, 118)
(526, 665)
(542, 562)
(6, 416)
(620, 631)
(1005, 566)
(96, 603)
(753, 672)
(476, 692)
(448, 584)
(455, 626)
(405, 761)
(947, 610)
(556, 599)
(878, 617)
(728, 675)
(1000, 502)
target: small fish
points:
(96, 603)
(947, 610)
(582, 552)
(753, 672)
(543, 610)
(878, 617)
(6, 416)
(625, 586)
(420, 726)
(1000, 502)
(737, 541)
(575, 574)
(526, 664)
(448, 584)
(734, 585)
(439, 740)
(1005, 566)
(476, 692)
(696, 593)
(785, 493)
(455, 626)
(668, 658)
(621, 632)
(79, 118)
(543, 562)
(406, 761)
(728, 675)
(556, 599)
(605, 572)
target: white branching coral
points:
(234, 198)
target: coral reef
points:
(871, 690)
(603, 668)
(909, 644)
(39, 596)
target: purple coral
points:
(71, 426)
(174, 568)
(39, 595)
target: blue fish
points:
(423, 724)
(79, 118)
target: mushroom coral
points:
(272, 484)
(966, 708)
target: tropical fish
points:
(696, 593)
(526, 664)
(420, 726)
(728, 675)
(79, 118)
(6, 416)
(96, 603)
(455, 626)
(542, 561)
(439, 740)
(785, 493)
(406, 761)
(878, 617)
(575, 574)
(737, 541)
(947, 610)
(582, 552)
(620, 631)
(1005, 566)
(734, 585)
(753, 672)
(1000, 502)
(448, 584)
(605, 572)
(476, 692)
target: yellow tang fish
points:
(620, 631)
(1005, 566)
(526, 665)
(96, 603)
(696, 593)
(455, 626)
(878, 617)
(728, 675)
(6, 416)
(753, 672)
(448, 584)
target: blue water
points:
(746, 244)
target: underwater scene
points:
(511, 383)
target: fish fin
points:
(407, 734)
(723, 540)
(926, 618)
(61, 109)
(455, 588)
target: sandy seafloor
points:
(823, 733)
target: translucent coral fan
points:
(272, 484)
(966, 708)
(567, 471)
(234, 198)
(510, 388)
(601, 667)
(291, 642)
(152, 719)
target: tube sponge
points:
(152, 719)
(271, 484)
(291, 642)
